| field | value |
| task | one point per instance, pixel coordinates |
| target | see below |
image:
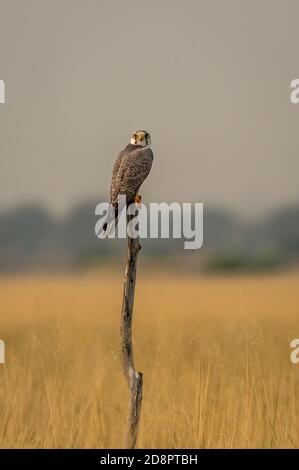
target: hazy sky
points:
(209, 79)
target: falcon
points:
(131, 168)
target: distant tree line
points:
(31, 237)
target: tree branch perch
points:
(133, 377)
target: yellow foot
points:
(138, 199)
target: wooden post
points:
(133, 377)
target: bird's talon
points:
(138, 199)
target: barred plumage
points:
(131, 168)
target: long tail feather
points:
(111, 220)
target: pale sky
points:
(210, 80)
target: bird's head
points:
(142, 138)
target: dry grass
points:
(214, 352)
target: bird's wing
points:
(116, 178)
(137, 167)
(130, 170)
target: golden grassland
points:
(214, 352)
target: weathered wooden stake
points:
(133, 377)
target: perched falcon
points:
(131, 168)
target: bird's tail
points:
(111, 220)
